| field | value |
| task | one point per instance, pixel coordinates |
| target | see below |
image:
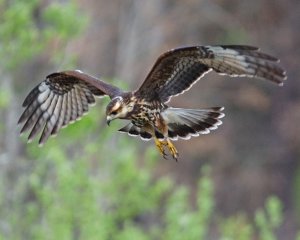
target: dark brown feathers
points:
(65, 97)
(177, 70)
(187, 123)
(59, 100)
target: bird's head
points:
(117, 108)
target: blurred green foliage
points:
(270, 219)
(236, 227)
(98, 188)
(26, 28)
(5, 97)
(83, 186)
(296, 191)
(96, 192)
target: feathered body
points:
(66, 96)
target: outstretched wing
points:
(177, 70)
(61, 99)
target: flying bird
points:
(64, 97)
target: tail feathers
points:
(185, 123)
(135, 131)
(182, 123)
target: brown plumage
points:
(65, 97)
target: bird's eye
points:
(113, 113)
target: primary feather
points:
(177, 70)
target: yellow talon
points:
(160, 145)
(172, 149)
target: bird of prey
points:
(64, 97)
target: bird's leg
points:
(172, 149)
(160, 146)
(163, 129)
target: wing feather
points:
(68, 110)
(78, 103)
(73, 106)
(134, 131)
(177, 70)
(47, 108)
(51, 120)
(61, 115)
(60, 99)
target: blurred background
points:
(239, 182)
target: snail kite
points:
(64, 97)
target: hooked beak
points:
(108, 120)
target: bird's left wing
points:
(177, 70)
(61, 99)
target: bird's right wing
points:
(178, 69)
(61, 99)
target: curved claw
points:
(160, 145)
(172, 150)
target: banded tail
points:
(183, 123)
